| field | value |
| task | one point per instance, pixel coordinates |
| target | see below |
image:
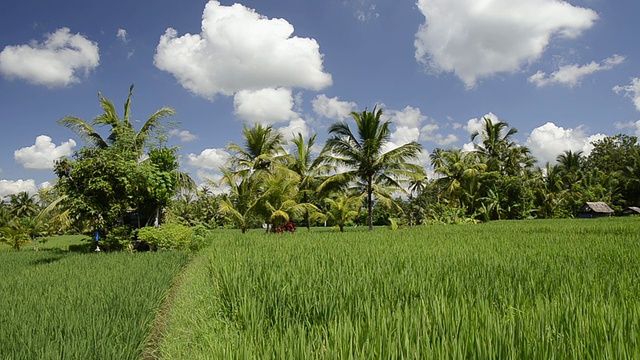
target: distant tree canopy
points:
(359, 177)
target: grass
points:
(63, 305)
(59, 243)
(525, 289)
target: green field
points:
(511, 289)
(526, 289)
(56, 304)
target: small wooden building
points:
(631, 210)
(594, 210)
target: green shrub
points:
(118, 238)
(174, 236)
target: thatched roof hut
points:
(595, 209)
(631, 210)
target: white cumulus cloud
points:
(210, 159)
(42, 154)
(332, 108)
(548, 141)
(9, 187)
(477, 125)
(295, 126)
(57, 61)
(430, 133)
(404, 135)
(476, 39)
(406, 125)
(631, 91)
(633, 126)
(239, 49)
(409, 116)
(266, 106)
(571, 75)
(183, 135)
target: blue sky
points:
(563, 73)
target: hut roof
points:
(597, 207)
(632, 210)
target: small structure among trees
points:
(631, 210)
(594, 210)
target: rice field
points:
(507, 290)
(60, 305)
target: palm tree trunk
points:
(306, 213)
(370, 203)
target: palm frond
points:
(85, 131)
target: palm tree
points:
(496, 146)
(343, 208)
(125, 142)
(278, 199)
(14, 234)
(570, 162)
(23, 204)
(310, 170)
(240, 205)
(417, 184)
(366, 154)
(459, 171)
(120, 127)
(261, 151)
(570, 170)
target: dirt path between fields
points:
(152, 342)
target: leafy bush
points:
(118, 238)
(174, 236)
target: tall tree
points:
(261, 149)
(458, 172)
(367, 156)
(570, 168)
(23, 204)
(309, 168)
(619, 155)
(343, 208)
(106, 180)
(119, 127)
(240, 204)
(498, 150)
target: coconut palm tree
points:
(262, 149)
(459, 171)
(310, 170)
(367, 156)
(119, 127)
(277, 202)
(240, 204)
(23, 204)
(343, 208)
(14, 234)
(125, 142)
(496, 146)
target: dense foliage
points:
(124, 181)
(130, 179)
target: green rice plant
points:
(61, 305)
(525, 289)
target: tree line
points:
(130, 179)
